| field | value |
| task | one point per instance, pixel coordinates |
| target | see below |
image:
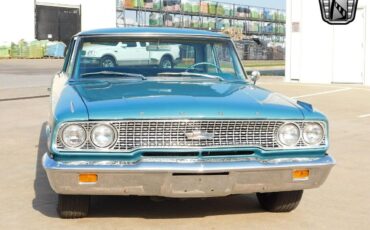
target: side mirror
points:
(124, 45)
(255, 76)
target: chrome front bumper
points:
(186, 178)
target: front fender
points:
(66, 105)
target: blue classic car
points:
(175, 116)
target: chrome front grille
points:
(142, 134)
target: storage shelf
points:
(245, 32)
(201, 15)
(217, 30)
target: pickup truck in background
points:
(127, 53)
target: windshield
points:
(165, 58)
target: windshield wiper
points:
(115, 73)
(188, 74)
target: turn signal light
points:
(88, 178)
(301, 174)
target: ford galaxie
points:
(197, 126)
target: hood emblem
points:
(199, 135)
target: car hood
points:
(182, 100)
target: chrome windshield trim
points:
(158, 35)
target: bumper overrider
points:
(186, 178)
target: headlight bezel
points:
(91, 132)
(322, 137)
(301, 143)
(61, 134)
(282, 126)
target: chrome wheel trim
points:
(107, 62)
(166, 64)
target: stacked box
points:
(171, 5)
(168, 20)
(279, 28)
(227, 24)
(186, 6)
(155, 19)
(148, 4)
(133, 3)
(190, 6)
(128, 3)
(177, 21)
(212, 23)
(276, 15)
(187, 21)
(5, 50)
(256, 13)
(36, 49)
(205, 23)
(253, 27)
(167, 5)
(222, 24)
(157, 4)
(204, 7)
(195, 22)
(242, 12)
(15, 51)
(266, 14)
(20, 50)
(176, 5)
(228, 10)
(219, 24)
(55, 49)
(282, 16)
(268, 28)
(239, 24)
(220, 9)
(195, 6)
(138, 3)
(212, 8)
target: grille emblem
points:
(199, 135)
(338, 12)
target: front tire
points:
(73, 206)
(107, 61)
(280, 201)
(166, 62)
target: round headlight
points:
(102, 136)
(313, 133)
(288, 134)
(73, 136)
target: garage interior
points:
(57, 23)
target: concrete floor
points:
(27, 201)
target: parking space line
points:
(23, 98)
(364, 116)
(322, 93)
(365, 89)
(301, 84)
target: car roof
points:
(153, 31)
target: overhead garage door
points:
(349, 51)
(57, 23)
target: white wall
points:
(94, 13)
(17, 17)
(17, 20)
(309, 53)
